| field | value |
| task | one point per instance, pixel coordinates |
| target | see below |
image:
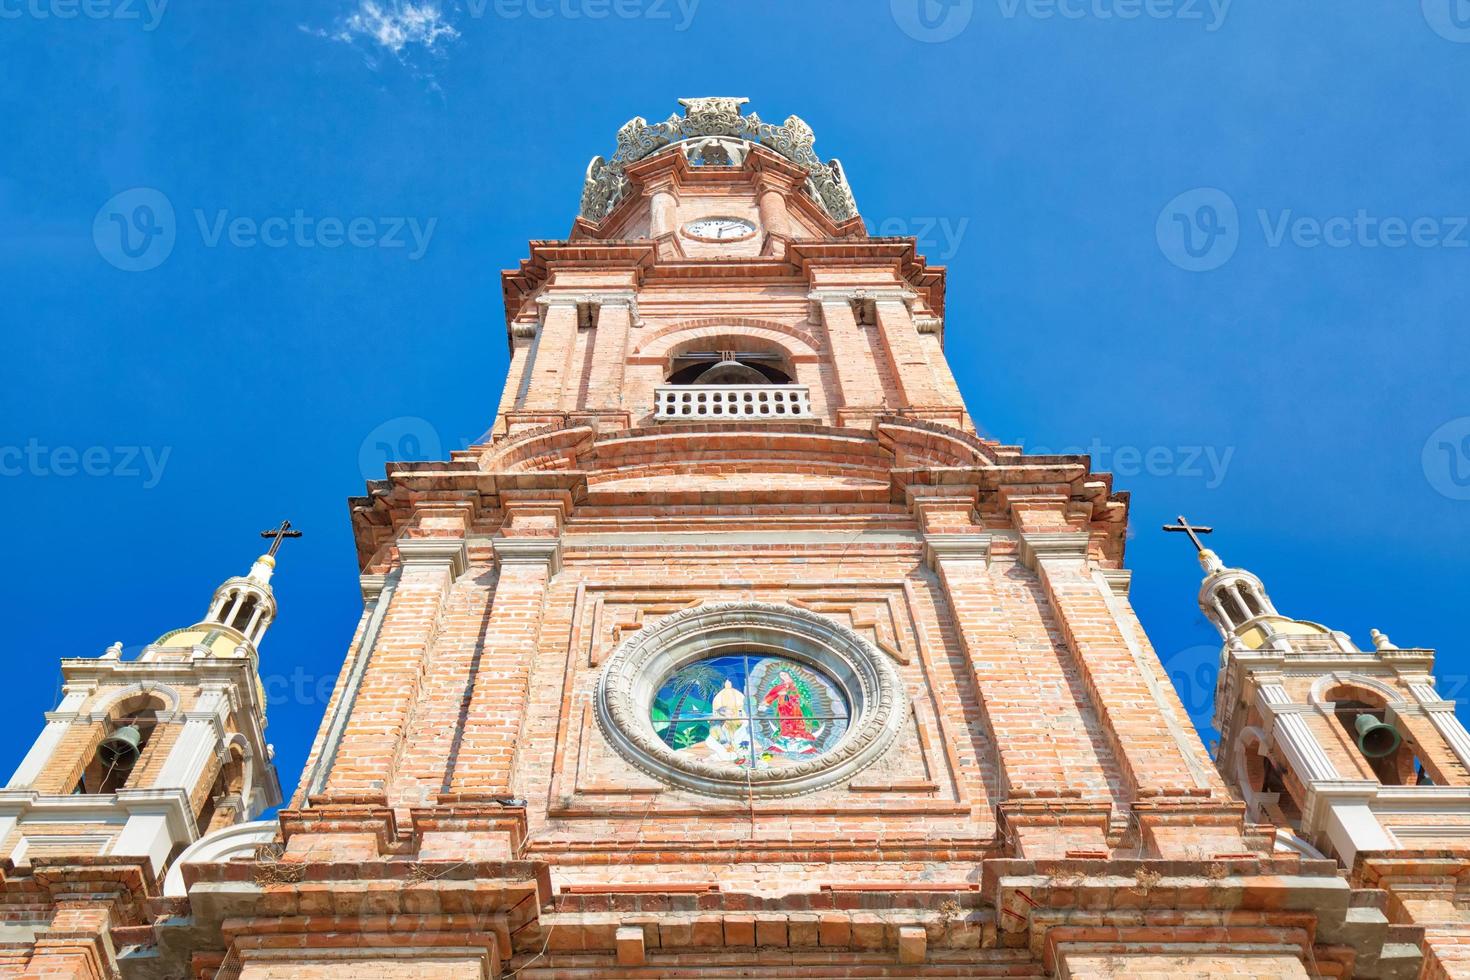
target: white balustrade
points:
(701, 403)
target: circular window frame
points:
(641, 664)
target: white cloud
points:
(396, 26)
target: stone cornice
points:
(1045, 546)
(172, 804)
(1119, 579)
(956, 547)
(436, 552)
(528, 551)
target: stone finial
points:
(114, 652)
(1382, 642)
(1210, 561)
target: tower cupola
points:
(242, 609)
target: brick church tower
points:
(733, 650)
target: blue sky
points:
(1223, 247)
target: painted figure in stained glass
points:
(793, 711)
(749, 710)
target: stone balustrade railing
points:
(697, 403)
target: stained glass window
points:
(751, 710)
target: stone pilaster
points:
(390, 686)
(485, 760)
(615, 318)
(911, 371)
(852, 352)
(551, 358)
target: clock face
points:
(720, 229)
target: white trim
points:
(104, 704)
(40, 753)
(1288, 841)
(1319, 688)
(217, 848)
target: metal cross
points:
(1194, 531)
(279, 533)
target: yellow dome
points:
(1255, 637)
(221, 642)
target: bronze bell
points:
(1377, 739)
(121, 749)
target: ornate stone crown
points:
(715, 117)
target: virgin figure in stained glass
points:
(792, 709)
(751, 710)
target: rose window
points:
(749, 699)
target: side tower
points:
(1353, 754)
(142, 762)
(733, 650)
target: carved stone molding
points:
(867, 294)
(435, 551)
(1119, 579)
(1053, 546)
(956, 547)
(640, 664)
(607, 180)
(529, 551)
(597, 298)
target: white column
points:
(1446, 722)
(229, 616)
(254, 622)
(1290, 731)
(196, 743)
(1352, 827)
(41, 751)
(147, 835)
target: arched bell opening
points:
(729, 361)
(121, 752)
(1384, 745)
